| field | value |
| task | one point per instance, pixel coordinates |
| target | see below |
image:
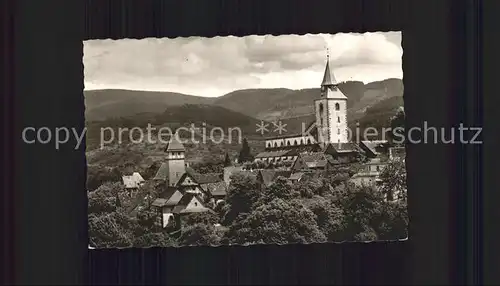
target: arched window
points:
(338, 131)
(275, 144)
(308, 141)
(338, 119)
(288, 143)
(337, 106)
(321, 114)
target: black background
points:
(44, 202)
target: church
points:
(327, 133)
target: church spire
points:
(328, 77)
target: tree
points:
(154, 239)
(199, 234)
(277, 222)
(281, 188)
(329, 218)
(243, 192)
(227, 160)
(98, 175)
(209, 218)
(147, 221)
(398, 127)
(304, 189)
(362, 207)
(111, 230)
(104, 199)
(245, 153)
(393, 178)
(392, 221)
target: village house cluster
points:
(327, 142)
(184, 191)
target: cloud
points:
(215, 66)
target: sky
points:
(215, 66)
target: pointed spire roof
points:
(175, 144)
(328, 78)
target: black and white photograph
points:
(245, 140)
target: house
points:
(342, 153)
(296, 177)
(216, 190)
(373, 148)
(132, 183)
(365, 179)
(165, 202)
(370, 173)
(318, 161)
(397, 153)
(172, 210)
(190, 203)
(375, 165)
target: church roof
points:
(175, 144)
(307, 121)
(296, 150)
(328, 77)
(331, 83)
(276, 153)
(288, 150)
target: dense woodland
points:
(317, 209)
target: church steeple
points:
(328, 77)
(331, 110)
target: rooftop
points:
(175, 144)
(133, 181)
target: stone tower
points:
(331, 111)
(175, 159)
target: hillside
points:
(109, 103)
(201, 115)
(264, 104)
(369, 104)
(272, 104)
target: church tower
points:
(175, 160)
(331, 111)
